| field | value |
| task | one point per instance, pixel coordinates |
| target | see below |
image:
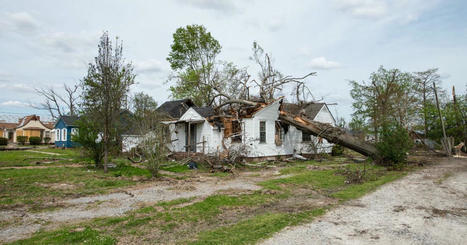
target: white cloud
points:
(226, 6)
(363, 8)
(402, 11)
(15, 87)
(68, 43)
(21, 22)
(321, 63)
(14, 103)
(149, 66)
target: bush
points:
(3, 141)
(21, 139)
(394, 145)
(35, 140)
(337, 150)
(47, 140)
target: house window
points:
(57, 134)
(306, 137)
(236, 131)
(47, 134)
(74, 132)
(279, 136)
(64, 134)
(262, 132)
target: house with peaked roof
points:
(7, 130)
(30, 126)
(65, 128)
(257, 130)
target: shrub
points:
(394, 145)
(3, 141)
(35, 140)
(46, 140)
(337, 150)
(21, 139)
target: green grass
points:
(178, 168)
(251, 230)
(236, 218)
(85, 236)
(357, 190)
(30, 157)
(35, 187)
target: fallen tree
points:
(332, 134)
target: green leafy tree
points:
(394, 145)
(143, 105)
(424, 88)
(88, 137)
(105, 89)
(193, 57)
(388, 97)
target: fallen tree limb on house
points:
(332, 134)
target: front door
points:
(10, 136)
(190, 130)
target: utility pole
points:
(446, 144)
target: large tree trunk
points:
(332, 134)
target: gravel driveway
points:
(426, 207)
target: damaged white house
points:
(257, 130)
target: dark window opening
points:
(236, 132)
(262, 132)
(279, 136)
(306, 137)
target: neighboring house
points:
(32, 126)
(257, 131)
(7, 130)
(65, 128)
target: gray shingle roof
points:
(175, 108)
(206, 111)
(310, 109)
(70, 120)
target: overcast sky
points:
(48, 43)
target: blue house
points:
(64, 129)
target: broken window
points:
(262, 132)
(306, 137)
(279, 136)
(236, 131)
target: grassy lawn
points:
(233, 218)
(31, 157)
(34, 188)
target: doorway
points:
(190, 137)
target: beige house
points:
(32, 126)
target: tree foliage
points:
(388, 97)
(105, 89)
(88, 137)
(193, 57)
(154, 135)
(394, 145)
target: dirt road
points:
(426, 207)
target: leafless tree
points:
(270, 80)
(58, 103)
